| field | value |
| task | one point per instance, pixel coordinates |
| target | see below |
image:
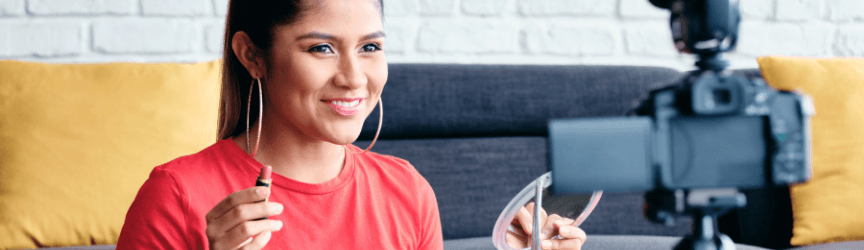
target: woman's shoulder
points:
(395, 168)
(384, 160)
(216, 155)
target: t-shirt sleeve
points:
(157, 217)
(431, 237)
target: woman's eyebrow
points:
(317, 35)
(325, 36)
(373, 35)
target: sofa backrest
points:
(477, 134)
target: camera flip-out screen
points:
(612, 154)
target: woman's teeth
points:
(346, 104)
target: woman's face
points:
(325, 72)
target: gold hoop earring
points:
(378, 132)
(260, 115)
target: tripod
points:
(704, 206)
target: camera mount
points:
(704, 205)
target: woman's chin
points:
(344, 139)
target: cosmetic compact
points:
(510, 235)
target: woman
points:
(318, 68)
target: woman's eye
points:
(322, 48)
(370, 47)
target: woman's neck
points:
(294, 155)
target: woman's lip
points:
(344, 99)
(342, 110)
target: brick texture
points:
(641, 9)
(484, 7)
(850, 41)
(434, 31)
(765, 38)
(11, 7)
(567, 7)
(845, 10)
(649, 38)
(399, 35)
(437, 7)
(46, 39)
(757, 9)
(448, 37)
(586, 39)
(399, 7)
(144, 36)
(221, 7)
(176, 8)
(214, 33)
(799, 10)
(81, 7)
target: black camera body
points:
(711, 129)
(715, 129)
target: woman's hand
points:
(571, 237)
(231, 224)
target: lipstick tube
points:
(264, 180)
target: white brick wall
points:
(629, 32)
(80, 7)
(11, 7)
(145, 36)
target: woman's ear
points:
(249, 55)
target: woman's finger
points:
(568, 244)
(571, 232)
(549, 228)
(242, 213)
(525, 220)
(259, 242)
(518, 241)
(237, 235)
(249, 195)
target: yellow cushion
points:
(830, 207)
(78, 140)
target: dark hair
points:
(259, 19)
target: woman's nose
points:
(350, 74)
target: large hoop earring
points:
(260, 115)
(378, 132)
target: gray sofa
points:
(477, 133)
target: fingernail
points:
(564, 230)
(278, 225)
(279, 207)
(578, 242)
(546, 244)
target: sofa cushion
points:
(828, 207)
(78, 140)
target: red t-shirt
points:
(376, 202)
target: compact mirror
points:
(509, 234)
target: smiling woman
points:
(299, 79)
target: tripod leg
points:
(705, 236)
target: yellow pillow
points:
(77, 141)
(829, 207)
